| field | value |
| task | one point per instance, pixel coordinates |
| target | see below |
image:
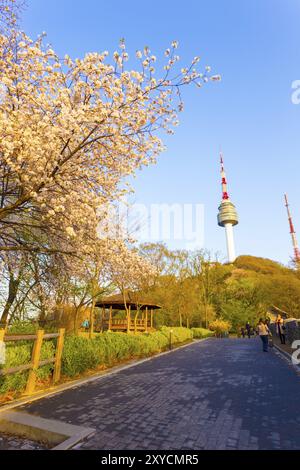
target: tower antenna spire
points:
(225, 195)
(227, 216)
(292, 232)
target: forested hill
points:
(194, 288)
(264, 266)
(275, 284)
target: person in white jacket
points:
(263, 331)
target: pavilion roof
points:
(132, 298)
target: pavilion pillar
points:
(110, 318)
(129, 319)
(135, 321)
(151, 317)
(146, 320)
(102, 317)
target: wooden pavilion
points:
(138, 313)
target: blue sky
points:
(254, 45)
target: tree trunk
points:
(75, 328)
(12, 293)
(127, 309)
(92, 314)
(42, 316)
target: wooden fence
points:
(36, 353)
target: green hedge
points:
(106, 349)
(81, 354)
(200, 333)
(23, 328)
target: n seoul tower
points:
(227, 216)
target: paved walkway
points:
(216, 394)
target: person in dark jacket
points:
(248, 329)
(280, 329)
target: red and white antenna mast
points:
(292, 232)
(225, 196)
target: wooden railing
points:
(118, 321)
(35, 358)
(121, 323)
(140, 322)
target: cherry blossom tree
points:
(9, 14)
(71, 133)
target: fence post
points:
(58, 355)
(36, 352)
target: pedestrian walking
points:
(243, 332)
(264, 332)
(248, 329)
(280, 328)
(86, 324)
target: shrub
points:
(23, 328)
(179, 334)
(108, 348)
(29, 327)
(201, 333)
(220, 327)
(81, 353)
